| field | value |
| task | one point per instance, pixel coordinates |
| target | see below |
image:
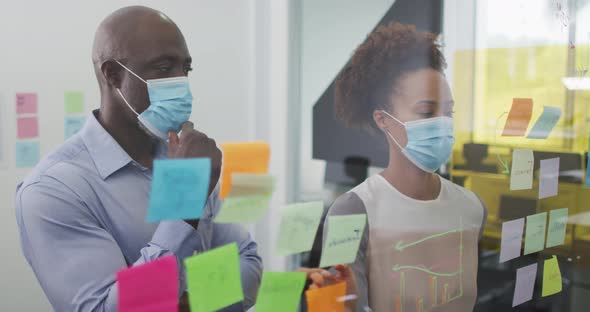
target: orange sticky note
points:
(250, 157)
(519, 117)
(326, 299)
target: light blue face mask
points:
(171, 104)
(430, 141)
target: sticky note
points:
(243, 209)
(74, 102)
(557, 226)
(534, 239)
(521, 174)
(27, 154)
(587, 183)
(545, 123)
(26, 103)
(342, 239)
(27, 127)
(549, 178)
(179, 189)
(326, 298)
(245, 184)
(511, 239)
(251, 157)
(552, 283)
(299, 225)
(72, 125)
(213, 279)
(152, 286)
(519, 117)
(525, 284)
(280, 291)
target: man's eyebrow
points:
(162, 58)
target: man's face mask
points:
(430, 141)
(171, 104)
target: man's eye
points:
(427, 115)
(164, 69)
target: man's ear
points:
(112, 73)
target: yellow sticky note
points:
(250, 157)
(551, 277)
(519, 117)
(326, 299)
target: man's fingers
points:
(187, 125)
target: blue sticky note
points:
(73, 125)
(179, 189)
(27, 154)
(545, 123)
(588, 173)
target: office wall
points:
(46, 48)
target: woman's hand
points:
(321, 278)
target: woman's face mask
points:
(171, 104)
(430, 141)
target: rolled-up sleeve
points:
(73, 257)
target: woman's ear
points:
(379, 118)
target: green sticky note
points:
(299, 225)
(280, 291)
(342, 239)
(213, 279)
(243, 209)
(74, 102)
(521, 174)
(557, 225)
(248, 184)
(535, 233)
(551, 277)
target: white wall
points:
(330, 32)
(46, 48)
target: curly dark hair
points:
(367, 82)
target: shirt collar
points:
(105, 151)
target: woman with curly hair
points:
(419, 249)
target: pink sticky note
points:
(27, 127)
(549, 178)
(26, 103)
(511, 239)
(149, 287)
(525, 284)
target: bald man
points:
(81, 211)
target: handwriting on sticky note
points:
(535, 233)
(27, 153)
(72, 125)
(26, 103)
(74, 102)
(243, 209)
(213, 279)
(521, 174)
(557, 227)
(179, 189)
(552, 283)
(525, 284)
(549, 177)
(27, 127)
(299, 225)
(250, 157)
(545, 123)
(518, 117)
(326, 298)
(152, 286)
(280, 291)
(511, 239)
(342, 239)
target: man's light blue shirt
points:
(81, 214)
